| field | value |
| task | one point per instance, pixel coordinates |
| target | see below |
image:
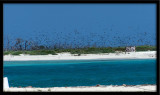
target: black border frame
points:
(90, 1)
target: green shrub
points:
(119, 49)
(145, 48)
(92, 50)
(6, 52)
(41, 52)
(16, 52)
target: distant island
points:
(79, 51)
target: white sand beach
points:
(68, 56)
(111, 88)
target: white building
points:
(130, 49)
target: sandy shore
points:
(68, 56)
(137, 88)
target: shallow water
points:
(80, 72)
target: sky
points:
(82, 24)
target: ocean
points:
(69, 73)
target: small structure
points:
(5, 83)
(130, 49)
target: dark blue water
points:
(80, 72)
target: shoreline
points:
(68, 56)
(100, 88)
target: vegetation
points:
(145, 48)
(79, 51)
(34, 52)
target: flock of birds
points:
(77, 39)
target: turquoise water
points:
(80, 72)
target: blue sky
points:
(104, 24)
